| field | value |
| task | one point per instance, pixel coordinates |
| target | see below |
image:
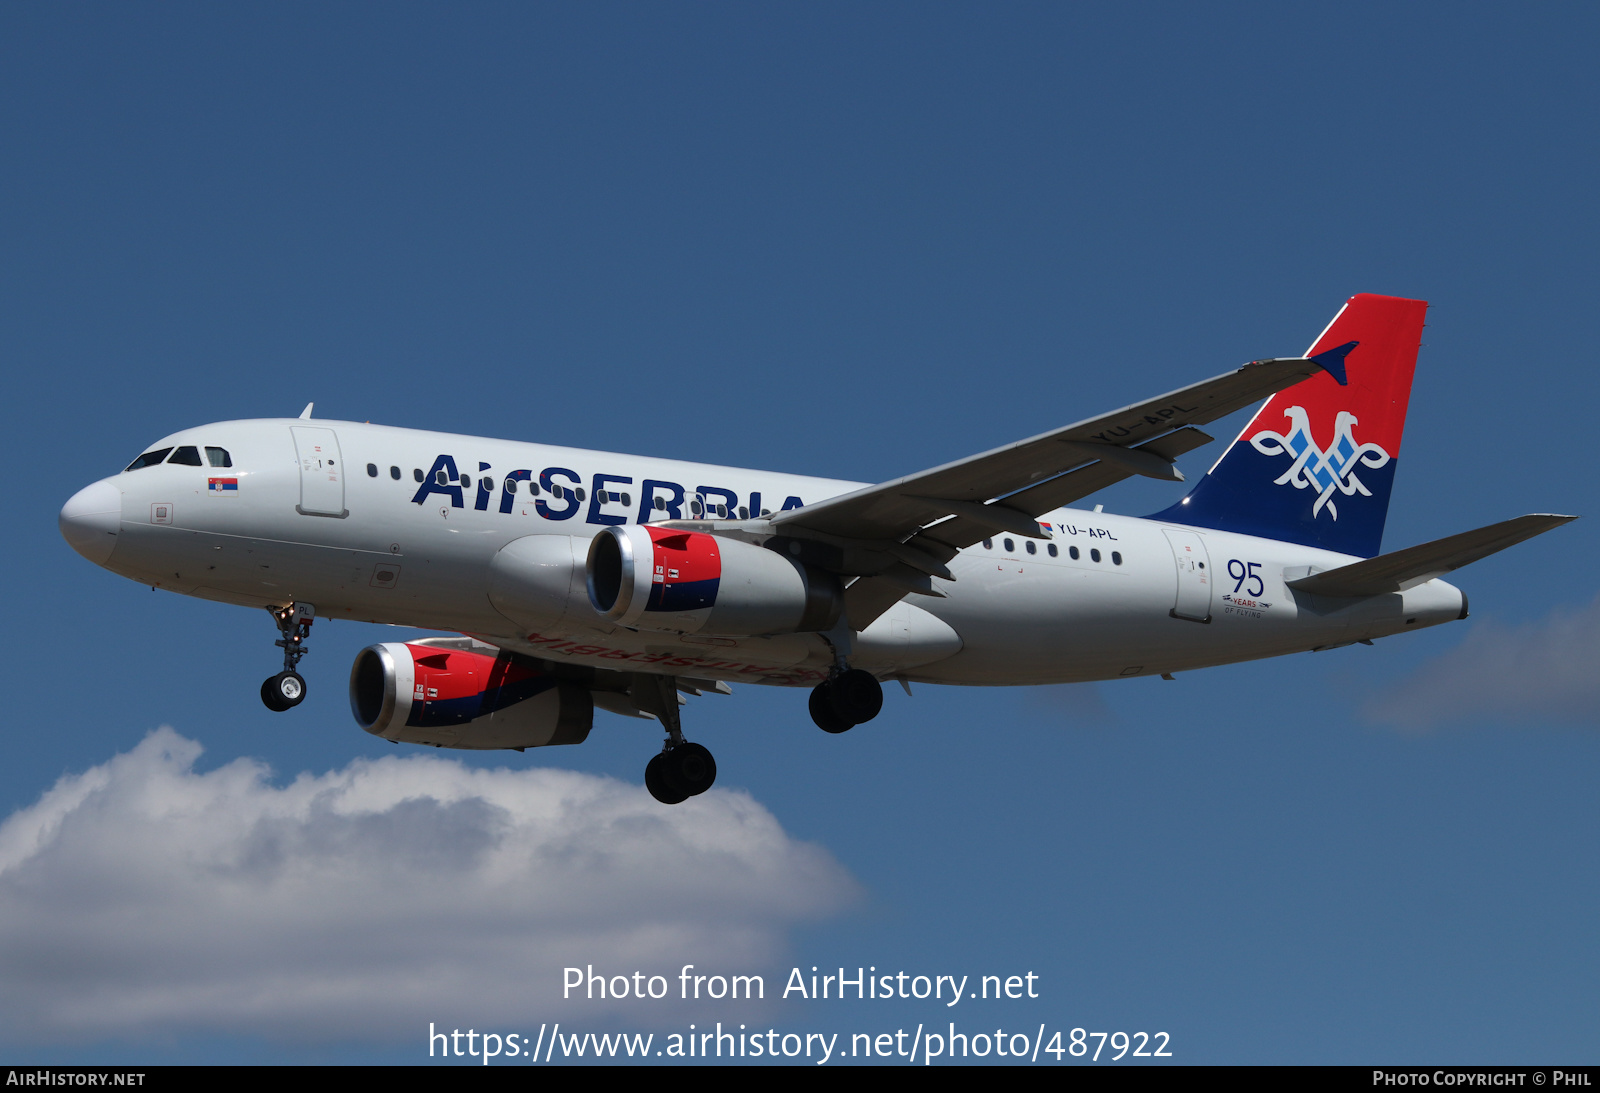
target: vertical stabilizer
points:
(1316, 464)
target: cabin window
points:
(466, 481)
(372, 470)
(988, 544)
(1031, 548)
(416, 472)
(1051, 547)
(394, 473)
(219, 457)
(441, 479)
(186, 456)
(1094, 555)
(1011, 547)
(149, 459)
(488, 484)
(661, 504)
(1116, 558)
(1072, 552)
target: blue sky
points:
(845, 240)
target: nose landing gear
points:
(287, 689)
(680, 770)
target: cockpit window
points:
(187, 456)
(219, 457)
(149, 459)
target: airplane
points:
(576, 580)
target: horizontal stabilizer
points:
(1415, 565)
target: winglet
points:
(1332, 361)
(305, 415)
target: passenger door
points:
(321, 472)
(1194, 575)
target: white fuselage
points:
(1121, 597)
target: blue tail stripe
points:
(1241, 495)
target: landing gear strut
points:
(287, 689)
(681, 770)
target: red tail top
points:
(1388, 331)
(1316, 464)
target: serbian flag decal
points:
(223, 487)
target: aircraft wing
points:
(893, 510)
(919, 522)
(1403, 569)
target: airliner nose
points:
(91, 519)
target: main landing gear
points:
(846, 699)
(849, 696)
(287, 689)
(681, 770)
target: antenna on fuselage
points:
(305, 415)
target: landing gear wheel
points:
(691, 768)
(283, 691)
(655, 780)
(269, 695)
(856, 696)
(822, 710)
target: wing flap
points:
(1412, 566)
(1065, 489)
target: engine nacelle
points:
(464, 697)
(691, 582)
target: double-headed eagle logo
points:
(1316, 469)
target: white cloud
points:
(1541, 671)
(142, 897)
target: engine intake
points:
(691, 582)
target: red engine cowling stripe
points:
(686, 570)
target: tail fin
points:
(1316, 464)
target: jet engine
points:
(690, 582)
(458, 693)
